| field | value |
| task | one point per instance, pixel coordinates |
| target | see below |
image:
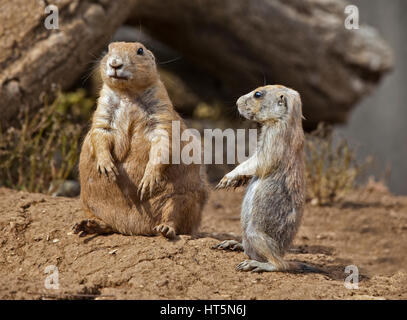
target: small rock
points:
(161, 283)
(66, 188)
(314, 202)
(326, 235)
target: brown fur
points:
(121, 185)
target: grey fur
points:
(273, 204)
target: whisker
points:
(264, 79)
(170, 61)
(91, 71)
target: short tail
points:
(302, 267)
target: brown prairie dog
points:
(125, 188)
(273, 204)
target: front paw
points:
(152, 178)
(231, 182)
(107, 167)
(166, 230)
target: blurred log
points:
(35, 61)
(301, 44)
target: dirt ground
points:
(368, 230)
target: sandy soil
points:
(367, 230)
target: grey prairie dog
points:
(273, 203)
(125, 188)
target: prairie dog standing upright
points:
(274, 200)
(125, 188)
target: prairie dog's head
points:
(271, 104)
(128, 65)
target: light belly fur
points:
(247, 215)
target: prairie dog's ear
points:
(295, 110)
(294, 104)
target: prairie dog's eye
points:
(281, 102)
(258, 94)
(140, 51)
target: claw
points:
(235, 182)
(141, 190)
(149, 182)
(165, 230)
(108, 169)
(82, 234)
(246, 265)
(228, 245)
(151, 189)
(255, 266)
(222, 183)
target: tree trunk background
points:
(35, 61)
(236, 45)
(301, 44)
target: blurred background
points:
(377, 126)
(209, 53)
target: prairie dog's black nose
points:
(115, 63)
